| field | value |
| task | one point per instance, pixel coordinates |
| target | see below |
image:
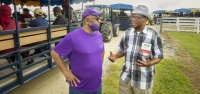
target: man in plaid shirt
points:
(142, 48)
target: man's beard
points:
(138, 27)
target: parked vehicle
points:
(119, 16)
(108, 27)
(77, 15)
(150, 22)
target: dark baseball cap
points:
(25, 9)
(90, 11)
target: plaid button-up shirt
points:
(130, 45)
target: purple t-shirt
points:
(84, 52)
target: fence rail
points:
(179, 24)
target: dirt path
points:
(53, 82)
(111, 46)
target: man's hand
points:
(71, 79)
(112, 57)
(143, 64)
(1, 28)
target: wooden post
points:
(93, 3)
(161, 24)
(198, 25)
(177, 24)
(82, 5)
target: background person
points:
(38, 22)
(25, 18)
(60, 19)
(65, 11)
(155, 19)
(5, 18)
(9, 24)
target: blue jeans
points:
(73, 91)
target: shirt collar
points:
(145, 30)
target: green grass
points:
(111, 81)
(169, 79)
(190, 42)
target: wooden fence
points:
(186, 24)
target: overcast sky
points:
(155, 4)
(151, 4)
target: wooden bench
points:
(29, 36)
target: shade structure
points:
(121, 6)
(161, 11)
(186, 10)
(98, 5)
(42, 2)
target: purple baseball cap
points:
(90, 11)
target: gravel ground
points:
(111, 46)
(53, 82)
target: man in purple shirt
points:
(84, 49)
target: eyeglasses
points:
(136, 17)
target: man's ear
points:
(146, 19)
(87, 21)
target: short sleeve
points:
(64, 47)
(158, 50)
(122, 46)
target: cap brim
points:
(39, 14)
(97, 14)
